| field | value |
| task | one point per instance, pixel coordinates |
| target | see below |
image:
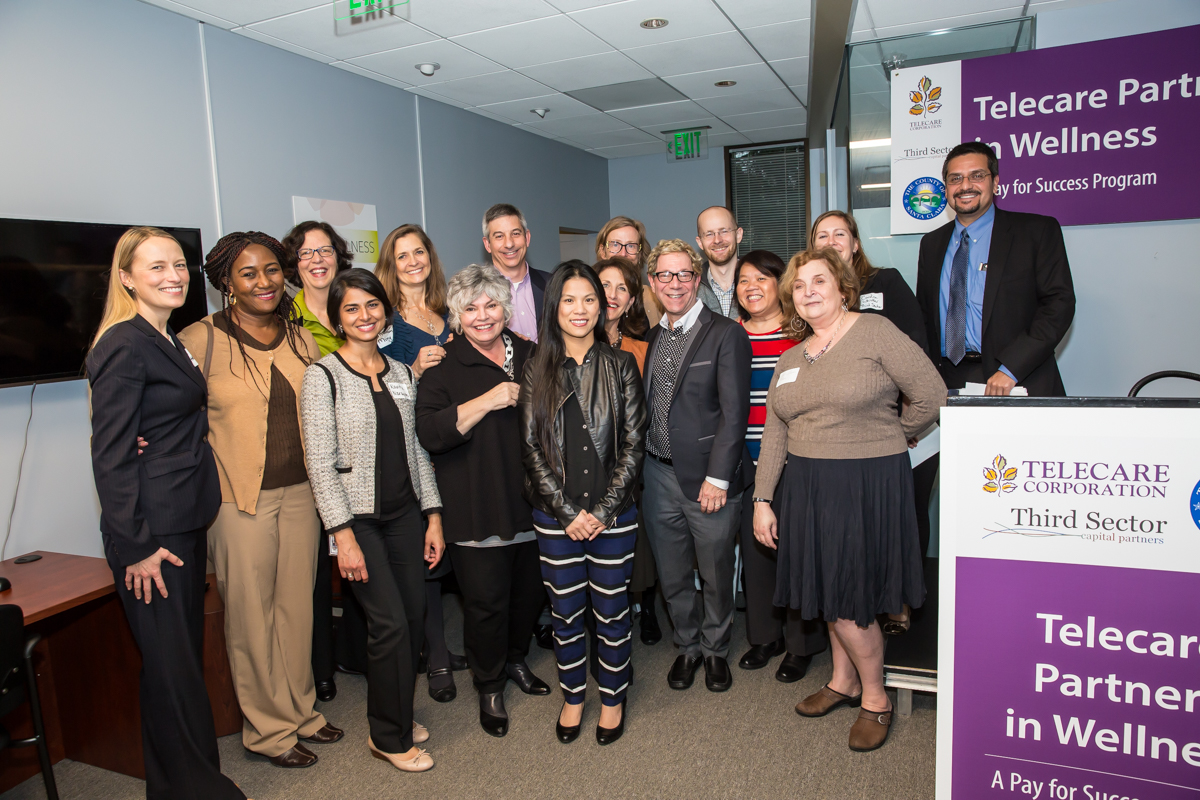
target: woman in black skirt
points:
(847, 527)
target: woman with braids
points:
(253, 353)
(583, 430)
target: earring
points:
(844, 307)
(340, 332)
(232, 299)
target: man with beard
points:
(994, 286)
(718, 236)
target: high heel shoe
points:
(566, 734)
(609, 735)
(421, 762)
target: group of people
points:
(571, 438)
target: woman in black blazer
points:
(155, 506)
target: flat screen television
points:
(53, 281)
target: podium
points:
(1068, 635)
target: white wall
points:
(666, 196)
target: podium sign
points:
(1069, 635)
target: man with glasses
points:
(506, 237)
(718, 237)
(994, 286)
(698, 390)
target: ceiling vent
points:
(632, 94)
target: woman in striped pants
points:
(583, 424)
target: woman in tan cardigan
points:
(253, 353)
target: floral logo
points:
(924, 100)
(999, 477)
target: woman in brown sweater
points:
(262, 544)
(834, 465)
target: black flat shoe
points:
(759, 655)
(609, 735)
(442, 694)
(566, 734)
(792, 668)
(717, 677)
(683, 671)
(347, 670)
(458, 663)
(544, 635)
(648, 622)
(520, 674)
(493, 716)
(326, 690)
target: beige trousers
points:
(266, 565)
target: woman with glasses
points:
(625, 237)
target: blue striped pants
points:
(574, 572)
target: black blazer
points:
(711, 404)
(1028, 298)
(899, 305)
(538, 279)
(142, 384)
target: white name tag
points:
(400, 392)
(871, 302)
(385, 338)
(788, 376)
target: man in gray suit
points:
(698, 392)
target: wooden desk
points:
(87, 666)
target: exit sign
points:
(687, 145)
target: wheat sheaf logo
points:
(925, 99)
(1000, 477)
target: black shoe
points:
(792, 668)
(520, 674)
(717, 677)
(422, 662)
(544, 635)
(609, 735)
(326, 690)
(759, 655)
(458, 663)
(348, 671)
(566, 735)
(648, 620)
(683, 671)
(442, 694)
(493, 717)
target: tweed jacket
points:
(337, 416)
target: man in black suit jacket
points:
(698, 393)
(506, 237)
(994, 286)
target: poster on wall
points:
(1091, 133)
(1069, 657)
(354, 222)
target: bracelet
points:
(761, 500)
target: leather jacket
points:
(614, 403)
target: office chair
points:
(1155, 376)
(18, 679)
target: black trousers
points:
(956, 377)
(502, 598)
(393, 597)
(179, 741)
(349, 647)
(765, 621)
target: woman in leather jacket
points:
(583, 426)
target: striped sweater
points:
(767, 348)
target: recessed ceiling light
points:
(428, 68)
(723, 84)
(541, 112)
(654, 23)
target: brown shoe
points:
(824, 701)
(870, 730)
(327, 735)
(299, 756)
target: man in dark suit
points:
(506, 237)
(698, 391)
(994, 286)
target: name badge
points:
(192, 358)
(872, 301)
(400, 392)
(788, 376)
(385, 338)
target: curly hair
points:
(295, 240)
(470, 282)
(665, 246)
(847, 282)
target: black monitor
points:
(53, 282)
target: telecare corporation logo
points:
(925, 198)
(1194, 504)
(1000, 477)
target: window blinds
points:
(768, 186)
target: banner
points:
(1069, 656)
(354, 222)
(926, 115)
(1091, 133)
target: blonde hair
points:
(862, 265)
(847, 281)
(665, 246)
(120, 304)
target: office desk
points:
(88, 663)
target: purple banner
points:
(1075, 682)
(1091, 133)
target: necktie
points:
(956, 314)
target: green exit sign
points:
(687, 145)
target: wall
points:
(666, 196)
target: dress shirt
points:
(524, 319)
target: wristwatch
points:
(761, 500)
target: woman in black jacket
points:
(155, 507)
(583, 426)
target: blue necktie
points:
(956, 314)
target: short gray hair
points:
(471, 282)
(502, 210)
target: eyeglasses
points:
(307, 254)
(719, 234)
(684, 275)
(978, 176)
(632, 248)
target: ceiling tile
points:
(784, 40)
(943, 23)
(538, 42)
(366, 73)
(467, 16)
(250, 33)
(594, 122)
(766, 119)
(726, 139)
(801, 92)
(774, 100)
(580, 5)
(491, 116)
(498, 87)
(180, 8)
(441, 98)
(583, 73)
(456, 62)
(863, 21)
(314, 29)
(615, 138)
(752, 13)
(891, 14)
(561, 107)
(749, 77)
(627, 150)
(777, 134)
(794, 71)
(244, 13)
(620, 24)
(695, 55)
(661, 114)
(713, 124)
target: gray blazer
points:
(338, 420)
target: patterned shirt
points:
(668, 353)
(767, 348)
